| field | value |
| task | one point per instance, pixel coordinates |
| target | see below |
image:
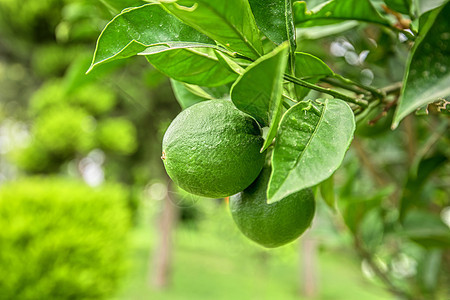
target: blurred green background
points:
(87, 212)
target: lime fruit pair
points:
(212, 149)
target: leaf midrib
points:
(274, 100)
(306, 147)
(286, 22)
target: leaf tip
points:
(397, 118)
(271, 196)
(91, 67)
(266, 145)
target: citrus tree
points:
(235, 59)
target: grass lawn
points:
(212, 260)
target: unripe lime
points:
(212, 149)
(271, 225)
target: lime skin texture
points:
(271, 225)
(212, 149)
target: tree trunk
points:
(308, 278)
(160, 267)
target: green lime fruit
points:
(271, 225)
(212, 149)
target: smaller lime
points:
(271, 225)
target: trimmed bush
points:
(64, 130)
(61, 239)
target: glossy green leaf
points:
(424, 6)
(428, 74)
(230, 22)
(275, 20)
(138, 28)
(327, 192)
(402, 6)
(318, 32)
(188, 94)
(116, 6)
(336, 11)
(310, 145)
(426, 229)
(258, 91)
(176, 45)
(309, 68)
(231, 63)
(185, 97)
(199, 66)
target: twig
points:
(393, 88)
(402, 24)
(411, 141)
(375, 92)
(345, 86)
(360, 102)
(383, 113)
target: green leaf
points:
(258, 91)
(402, 6)
(176, 45)
(186, 97)
(336, 11)
(428, 73)
(426, 229)
(230, 22)
(275, 20)
(199, 66)
(318, 32)
(116, 6)
(310, 145)
(138, 28)
(309, 68)
(327, 192)
(231, 63)
(188, 94)
(424, 6)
